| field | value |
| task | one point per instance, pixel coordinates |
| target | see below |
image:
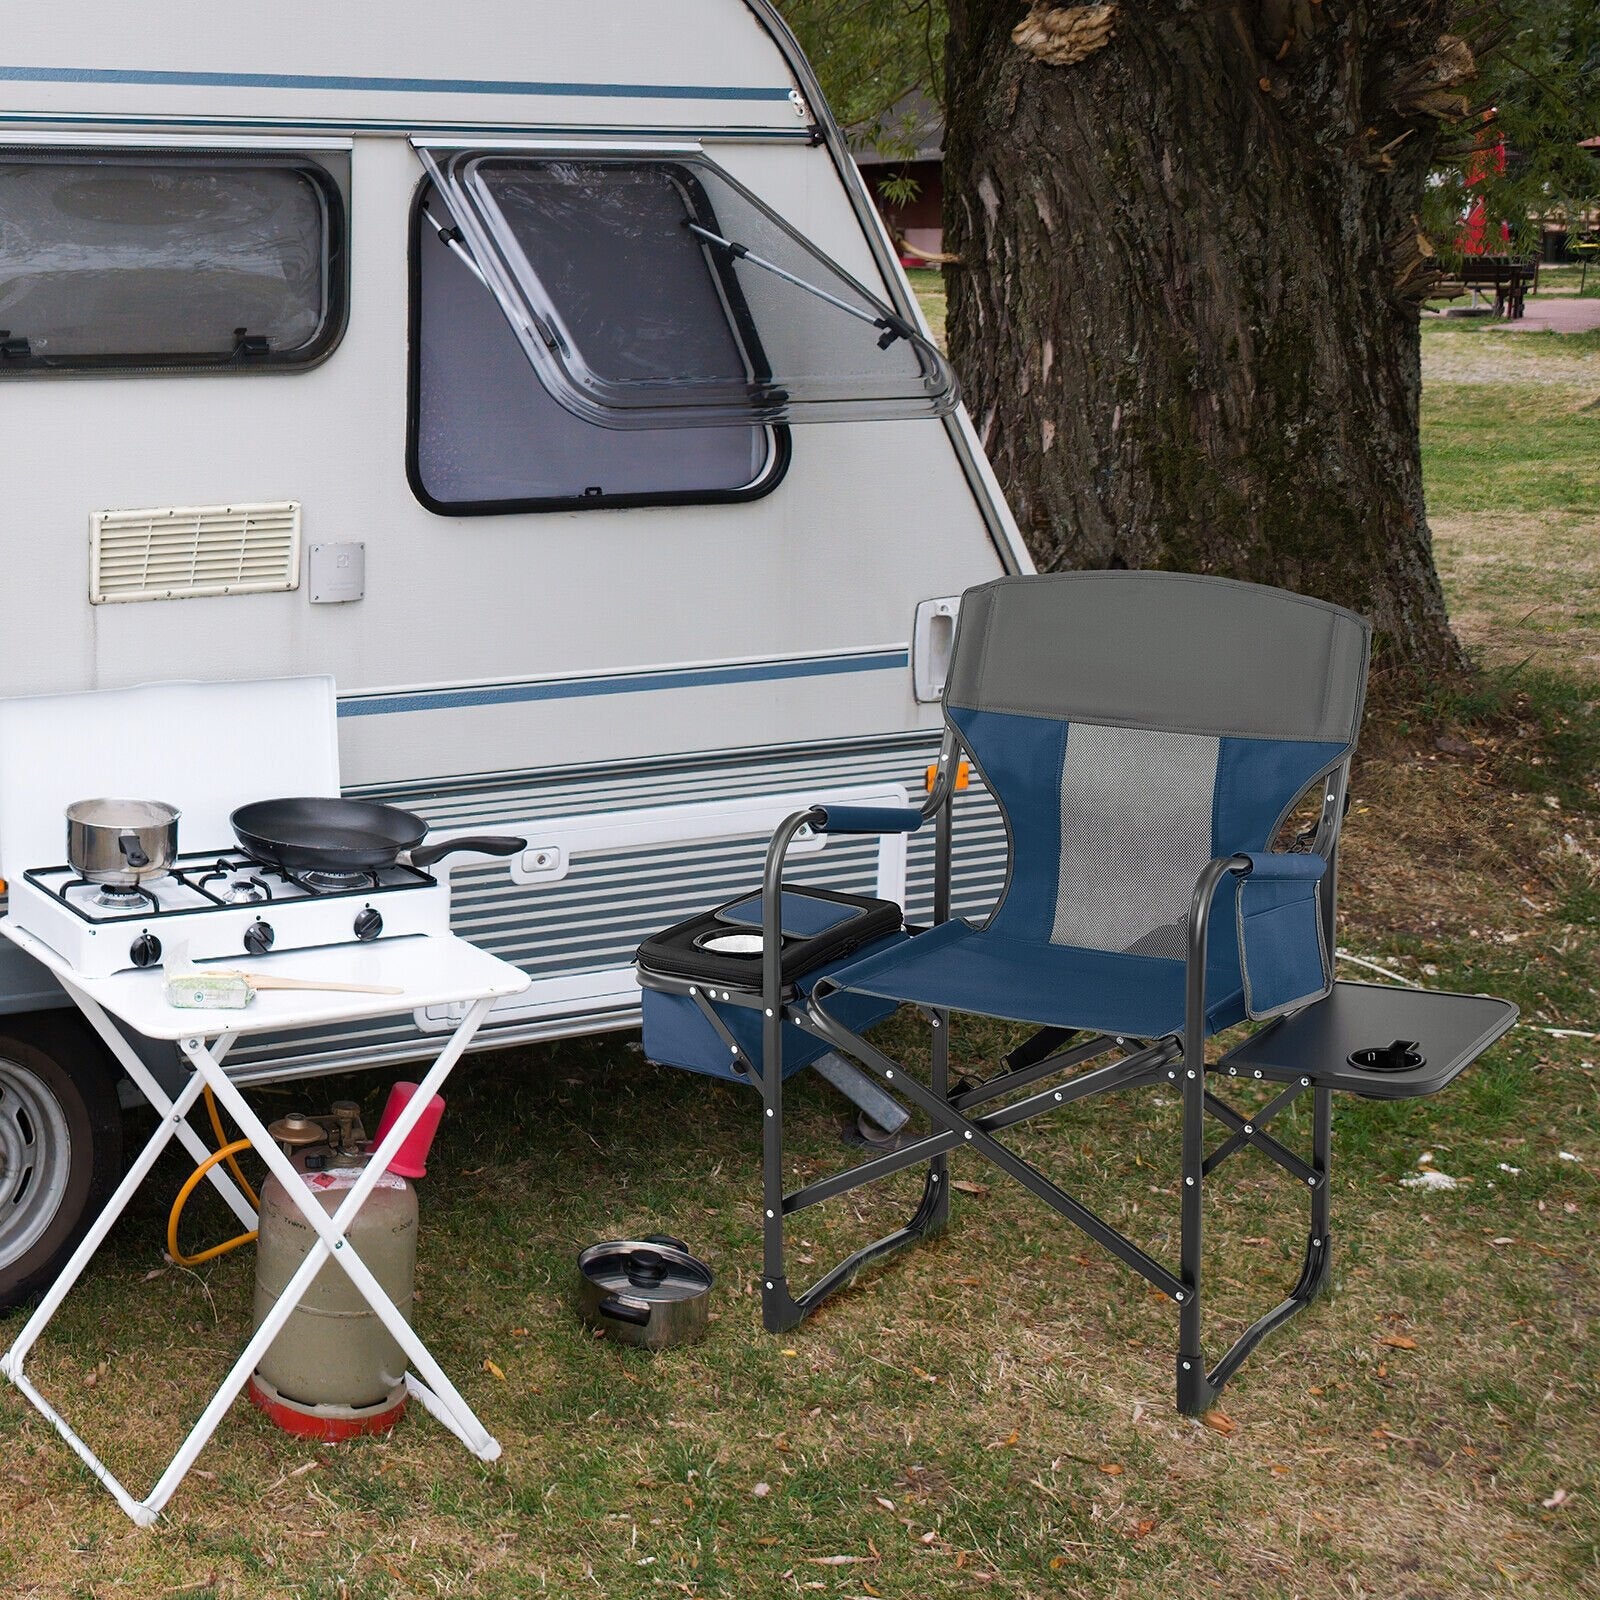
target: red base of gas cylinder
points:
(328, 1423)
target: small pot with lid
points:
(650, 1292)
(121, 843)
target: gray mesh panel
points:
(1135, 832)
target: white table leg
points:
(11, 1364)
(437, 1394)
(129, 1060)
(447, 1403)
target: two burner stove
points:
(196, 883)
(222, 905)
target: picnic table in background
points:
(1511, 277)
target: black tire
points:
(60, 1145)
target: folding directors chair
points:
(1145, 735)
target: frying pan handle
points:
(486, 844)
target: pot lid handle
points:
(669, 1240)
(645, 1268)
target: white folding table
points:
(431, 970)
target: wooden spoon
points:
(266, 980)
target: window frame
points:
(331, 190)
(419, 232)
(538, 320)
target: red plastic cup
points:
(411, 1159)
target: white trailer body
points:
(640, 681)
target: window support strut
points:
(451, 237)
(893, 327)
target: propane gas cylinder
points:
(334, 1369)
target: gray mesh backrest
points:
(1162, 650)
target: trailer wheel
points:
(60, 1145)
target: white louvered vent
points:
(179, 552)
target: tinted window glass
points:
(486, 434)
(112, 260)
(636, 293)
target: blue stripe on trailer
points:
(383, 705)
(309, 80)
(299, 126)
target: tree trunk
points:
(1186, 311)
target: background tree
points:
(1536, 97)
(1192, 263)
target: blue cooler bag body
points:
(823, 931)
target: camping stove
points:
(213, 747)
(221, 906)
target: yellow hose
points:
(233, 1166)
(227, 1152)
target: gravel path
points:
(1558, 316)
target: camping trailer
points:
(550, 384)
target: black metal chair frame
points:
(958, 1120)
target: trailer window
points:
(657, 291)
(486, 436)
(157, 260)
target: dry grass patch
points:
(1524, 586)
(1477, 354)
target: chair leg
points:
(1195, 1390)
(936, 1192)
(1198, 1389)
(780, 1309)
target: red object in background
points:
(411, 1160)
(1487, 161)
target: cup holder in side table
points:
(1376, 1040)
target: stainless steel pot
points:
(649, 1292)
(121, 842)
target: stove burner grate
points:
(119, 896)
(217, 883)
(236, 890)
(325, 879)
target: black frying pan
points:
(317, 834)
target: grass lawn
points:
(992, 1416)
(927, 284)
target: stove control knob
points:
(369, 924)
(258, 938)
(145, 951)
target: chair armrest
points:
(866, 819)
(1212, 876)
(1283, 866)
(820, 819)
(1283, 955)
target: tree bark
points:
(1186, 311)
